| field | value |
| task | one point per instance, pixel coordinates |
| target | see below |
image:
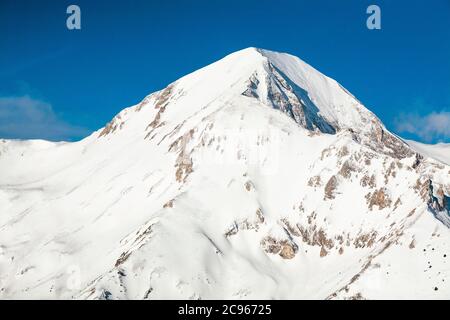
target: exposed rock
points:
(346, 170)
(343, 152)
(163, 97)
(184, 168)
(286, 249)
(314, 237)
(365, 240)
(390, 172)
(109, 128)
(246, 224)
(116, 123)
(384, 142)
(422, 187)
(156, 122)
(315, 181)
(368, 181)
(438, 200)
(253, 83)
(380, 198)
(260, 215)
(184, 162)
(123, 257)
(169, 204)
(397, 203)
(292, 230)
(232, 230)
(286, 96)
(357, 296)
(249, 185)
(161, 102)
(418, 161)
(330, 188)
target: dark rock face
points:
(286, 96)
(383, 141)
(438, 200)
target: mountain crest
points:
(279, 81)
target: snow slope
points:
(440, 151)
(254, 177)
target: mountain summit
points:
(254, 177)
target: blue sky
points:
(59, 84)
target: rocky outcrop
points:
(183, 162)
(379, 198)
(115, 124)
(284, 248)
(284, 95)
(330, 188)
(438, 199)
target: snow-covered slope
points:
(440, 151)
(254, 177)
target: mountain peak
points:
(277, 72)
(254, 177)
(276, 80)
(285, 82)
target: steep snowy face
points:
(254, 177)
(316, 93)
(440, 151)
(330, 107)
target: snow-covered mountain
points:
(254, 177)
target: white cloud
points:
(433, 126)
(27, 118)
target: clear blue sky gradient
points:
(128, 49)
